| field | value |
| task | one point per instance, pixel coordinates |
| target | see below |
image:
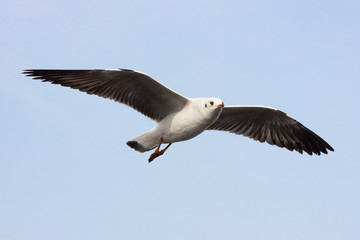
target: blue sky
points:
(66, 172)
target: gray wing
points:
(132, 88)
(270, 125)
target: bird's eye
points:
(212, 103)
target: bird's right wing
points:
(132, 88)
(270, 125)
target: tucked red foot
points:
(158, 153)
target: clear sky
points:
(66, 172)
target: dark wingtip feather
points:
(27, 72)
(330, 148)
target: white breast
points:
(186, 124)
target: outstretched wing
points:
(270, 125)
(132, 88)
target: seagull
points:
(179, 118)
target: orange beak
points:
(220, 105)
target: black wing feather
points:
(270, 125)
(132, 88)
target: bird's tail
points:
(135, 145)
(144, 142)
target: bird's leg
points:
(157, 152)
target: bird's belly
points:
(180, 130)
(183, 133)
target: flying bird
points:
(179, 118)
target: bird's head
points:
(209, 108)
(213, 104)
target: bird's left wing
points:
(132, 88)
(273, 126)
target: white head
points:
(210, 105)
(213, 104)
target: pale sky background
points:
(66, 172)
